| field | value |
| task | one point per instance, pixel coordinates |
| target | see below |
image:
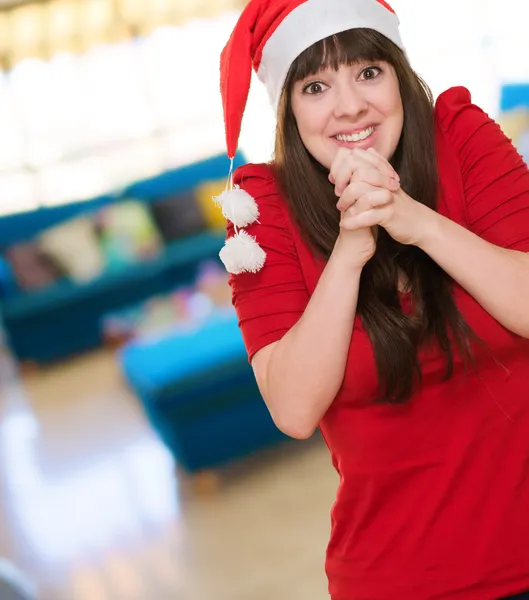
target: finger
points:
(378, 161)
(367, 218)
(373, 150)
(382, 162)
(347, 162)
(371, 199)
(342, 170)
(374, 199)
(375, 177)
(352, 193)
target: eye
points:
(370, 73)
(314, 88)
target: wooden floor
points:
(91, 508)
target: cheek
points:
(307, 123)
(395, 113)
(309, 115)
(398, 109)
(399, 122)
(309, 128)
(299, 117)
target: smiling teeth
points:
(356, 137)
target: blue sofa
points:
(64, 319)
(514, 95)
(199, 393)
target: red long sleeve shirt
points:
(433, 500)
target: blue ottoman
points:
(199, 393)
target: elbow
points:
(524, 330)
(291, 416)
(519, 327)
(295, 428)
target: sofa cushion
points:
(127, 234)
(205, 193)
(31, 268)
(159, 363)
(178, 216)
(177, 257)
(74, 246)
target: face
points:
(357, 106)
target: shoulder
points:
(459, 118)
(259, 171)
(450, 102)
(260, 182)
(491, 174)
(256, 179)
(259, 227)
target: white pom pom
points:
(242, 254)
(238, 206)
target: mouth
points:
(356, 137)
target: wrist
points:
(344, 257)
(431, 228)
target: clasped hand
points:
(370, 194)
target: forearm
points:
(497, 278)
(307, 366)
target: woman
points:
(380, 272)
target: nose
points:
(349, 101)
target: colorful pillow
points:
(204, 193)
(127, 233)
(73, 245)
(178, 216)
(31, 268)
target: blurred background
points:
(137, 460)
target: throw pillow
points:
(178, 216)
(204, 193)
(31, 268)
(74, 246)
(127, 233)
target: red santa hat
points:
(269, 36)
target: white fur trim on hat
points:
(238, 206)
(242, 254)
(313, 21)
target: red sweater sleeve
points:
(495, 177)
(268, 303)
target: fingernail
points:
(331, 178)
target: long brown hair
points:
(396, 336)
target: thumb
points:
(371, 150)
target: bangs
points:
(343, 49)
